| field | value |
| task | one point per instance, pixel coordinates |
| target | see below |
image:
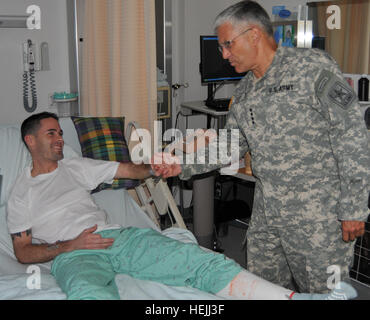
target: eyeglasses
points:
(227, 44)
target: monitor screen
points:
(213, 68)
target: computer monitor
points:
(213, 68)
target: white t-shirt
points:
(58, 205)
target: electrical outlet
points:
(51, 102)
(160, 98)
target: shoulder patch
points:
(341, 95)
(322, 81)
(331, 88)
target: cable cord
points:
(32, 84)
(216, 88)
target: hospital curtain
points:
(118, 76)
(349, 45)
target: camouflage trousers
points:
(301, 253)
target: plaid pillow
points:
(103, 138)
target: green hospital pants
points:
(143, 254)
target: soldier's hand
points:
(352, 229)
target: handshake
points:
(165, 165)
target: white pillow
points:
(14, 156)
(69, 152)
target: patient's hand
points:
(90, 240)
(166, 165)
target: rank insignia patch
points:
(341, 95)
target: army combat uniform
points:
(309, 147)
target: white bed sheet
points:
(14, 287)
(22, 285)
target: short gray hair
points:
(245, 12)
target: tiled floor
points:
(232, 246)
(363, 290)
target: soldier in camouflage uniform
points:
(309, 147)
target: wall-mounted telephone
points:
(29, 76)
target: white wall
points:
(54, 32)
(199, 17)
(192, 18)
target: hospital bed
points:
(34, 282)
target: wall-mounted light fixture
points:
(13, 21)
(30, 21)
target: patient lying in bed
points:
(51, 216)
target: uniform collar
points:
(249, 81)
(278, 57)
